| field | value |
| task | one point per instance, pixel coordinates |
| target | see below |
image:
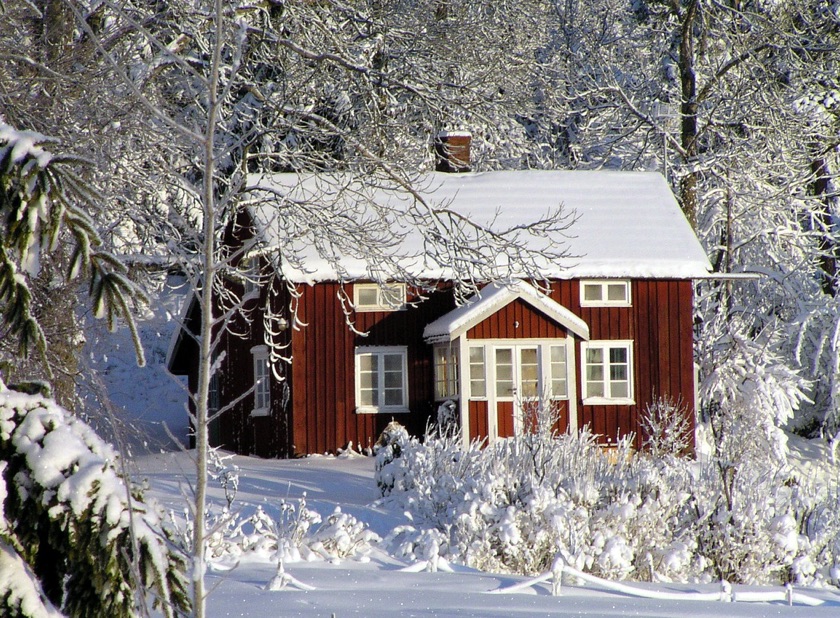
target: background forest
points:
(736, 102)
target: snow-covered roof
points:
(491, 299)
(627, 224)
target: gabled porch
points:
(506, 349)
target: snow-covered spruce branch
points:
(64, 486)
(43, 198)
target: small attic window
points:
(379, 297)
(605, 293)
(250, 267)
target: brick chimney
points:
(452, 150)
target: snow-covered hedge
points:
(290, 533)
(67, 512)
(518, 504)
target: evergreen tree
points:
(95, 545)
(43, 203)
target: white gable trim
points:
(491, 299)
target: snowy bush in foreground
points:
(67, 512)
(290, 533)
(518, 504)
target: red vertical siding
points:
(323, 416)
(663, 313)
(324, 407)
(478, 419)
(517, 320)
(659, 322)
(504, 419)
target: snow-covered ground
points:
(149, 400)
(149, 403)
(382, 586)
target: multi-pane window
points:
(262, 381)
(529, 373)
(557, 371)
(478, 381)
(446, 372)
(608, 370)
(504, 373)
(379, 297)
(381, 379)
(250, 274)
(605, 293)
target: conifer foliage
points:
(94, 546)
(43, 200)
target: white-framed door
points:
(522, 372)
(517, 383)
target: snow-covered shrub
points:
(750, 394)
(424, 544)
(342, 536)
(93, 547)
(226, 474)
(518, 504)
(290, 533)
(666, 428)
(747, 531)
(284, 534)
(447, 417)
(388, 449)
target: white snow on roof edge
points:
(453, 133)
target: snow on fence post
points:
(726, 594)
(557, 576)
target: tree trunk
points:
(822, 214)
(209, 268)
(688, 109)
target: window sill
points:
(596, 304)
(375, 410)
(260, 412)
(605, 401)
(380, 309)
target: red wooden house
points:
(611, 332)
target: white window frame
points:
(383, 303)
(603, 285)
(606, 345)
(477, 372)
(250, 268)
(445, 359)
(510, 376)
(547, 371)
(380, 407)
(262, 381)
